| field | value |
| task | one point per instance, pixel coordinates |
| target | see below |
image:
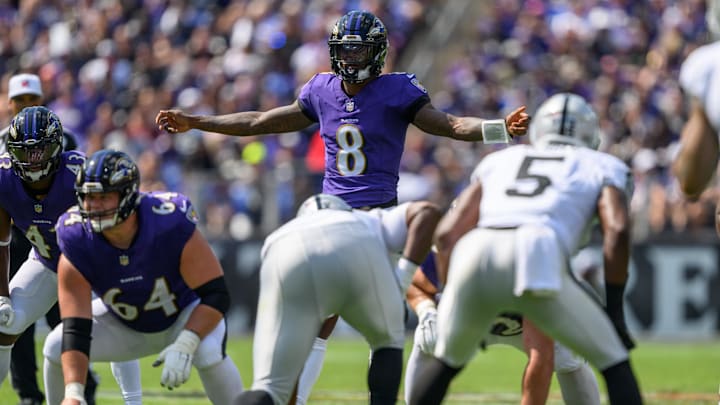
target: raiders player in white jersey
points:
(329, 260)
(697, 158)
(507, 244)
(577, 380)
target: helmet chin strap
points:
(36, 175)
(362, 75)
(101, 224)
(32, 176)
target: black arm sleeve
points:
(215, 294)
(76, 334)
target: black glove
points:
(614, 309)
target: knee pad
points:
(565, 360)
(18, 326)
(209, 352)
(52, 349)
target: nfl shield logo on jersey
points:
(192, 215)
(124, 260)
(38, 208)
(350, 106)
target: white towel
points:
(539, 261)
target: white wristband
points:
(405, 272)
(189, 340)
(495, 131)
(423, 307)
(6, 242)
(75, 391)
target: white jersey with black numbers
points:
(700, 78)
(557, 186)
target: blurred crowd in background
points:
(108, 67)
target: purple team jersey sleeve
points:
(364, 135)
(36, 218)
(430, 271)
(141, 285)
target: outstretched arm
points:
(280, 119)
(695, 163)
(436, 122)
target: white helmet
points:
(319, 202)
(712, 17)
(565, 118)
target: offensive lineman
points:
(160, 288)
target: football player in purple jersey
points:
(363, 117)
(36, 185)
(25, 90)
(160, 288)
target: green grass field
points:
(678, 373)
